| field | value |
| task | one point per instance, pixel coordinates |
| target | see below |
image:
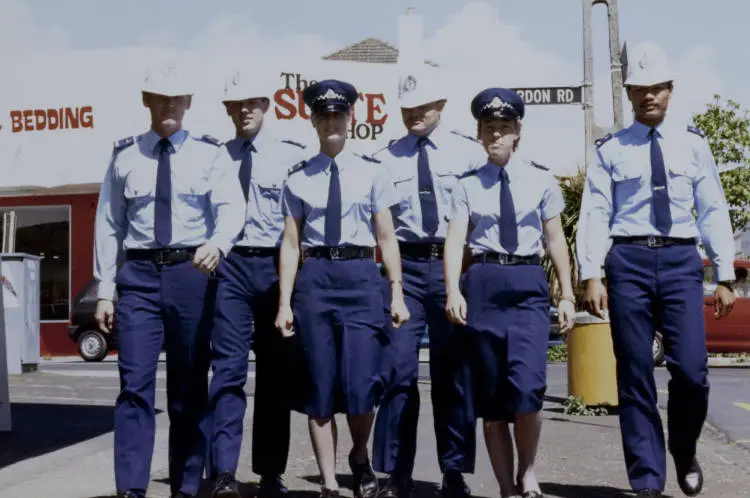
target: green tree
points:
(727, 129)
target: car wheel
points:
(658, 350)
(92, 346)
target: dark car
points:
(93, 345)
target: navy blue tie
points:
(163, 196)
(246, 168)
(427, 201)
(662, 213)
(333, 208)
(508, 225)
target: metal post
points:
(588, 84)
(615, 64)
(5, 418)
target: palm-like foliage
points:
(572, 189)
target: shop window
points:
(43, 231)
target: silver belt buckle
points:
(160, 257)
(434, 251)
(335, 253)
(652, 241)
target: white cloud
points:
(20, 32)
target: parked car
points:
(731, 334)
(93, 345)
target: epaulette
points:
(297, 167)
(369, 159)
(697, 131)
(463, 135)
(292, 142)
(392, 141)
(211, 140)
(467, 174)
(601, 141)
(124, 143)
(540, 166)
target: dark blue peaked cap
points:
(497, 103)
(330, 95)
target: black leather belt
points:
(166, 256)
(654, 241)
(335, 253)
(258, 252)
(506, 259)
(421, 250)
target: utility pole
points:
(615, 57)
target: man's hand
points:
(595, 298)
(105, 315)
(206, 258)
(566, 314)
(723, 301)
(285, 321)
(455, 308)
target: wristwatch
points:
(729, 284)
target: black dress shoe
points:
(690, 477)
(329, 493)
(272, 486)
(649, 493)
(396, 488)
(454, 486)
(364, 482)
(226, 486)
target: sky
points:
(521, 42)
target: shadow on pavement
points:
(40, 428)
(422, 489)
(582, 491)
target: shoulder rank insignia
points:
(297, 167)
(463, 135)
(210, 140)
(469, 173)
(601, 141)
(369, 159)
(124, 143)
(292, 142)
(540, 166)
(697, 131)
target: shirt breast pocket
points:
(138, 190)
(447, 182)
(271, 193)
(681, 182)
(405, 190)
(627, 182)
(192, 202)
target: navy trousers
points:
(657, 289)
(170, 305)
(395, 433)
(508, 317)
(338, 315)
(246, 304)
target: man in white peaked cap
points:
(247, 299)
(167, 212)
(641, 193)
(424, 166)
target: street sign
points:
(551, 95)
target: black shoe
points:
(692, 470)
(649, 493)
(454, 486)
(226, 486)
(396, 488)
(180, 494)
(272, 486)
(129, 494)
(533, 494)
(364, 482)
(328, 493)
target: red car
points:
(731, 334)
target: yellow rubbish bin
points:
(592, 372)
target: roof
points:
(370, 50)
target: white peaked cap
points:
(417, 87)
(648, 65)
(168, 79)
(243, 85)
